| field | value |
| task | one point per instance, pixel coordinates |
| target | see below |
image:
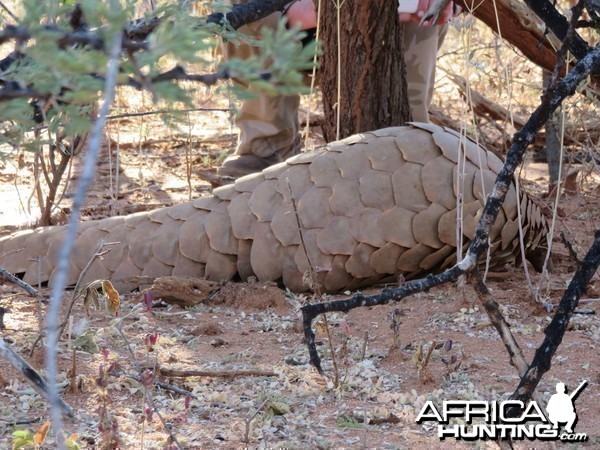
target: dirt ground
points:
(255, 326)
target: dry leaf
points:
(91, 297)
(113, 300)
(40, 434)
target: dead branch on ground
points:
(180, 373)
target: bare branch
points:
(136, 33)
(559, 26)
(14, 90)
(248, 12)
(164, 111)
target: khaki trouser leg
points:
(267, 124)
(421, 46)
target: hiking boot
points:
(236, 166)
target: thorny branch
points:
(522, 139)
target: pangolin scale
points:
(372, 207)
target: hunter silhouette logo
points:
(479, 419)
(561, 408)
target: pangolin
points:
(371, 207)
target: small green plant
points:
(23, 439)
(349, 422)
(26, 439)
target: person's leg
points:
(268, 125)
(421, 45)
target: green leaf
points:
(72, 443)
(347, 421)
(86, 343)
(279, 408)
(22, 439)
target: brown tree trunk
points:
(372, 86)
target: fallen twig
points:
(500, 324)
(179, 373)
(310, 278)
(165, 111)
(15, 280)
(170, 387)
(503, 328)
(12, 423)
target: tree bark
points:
(372, 85)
